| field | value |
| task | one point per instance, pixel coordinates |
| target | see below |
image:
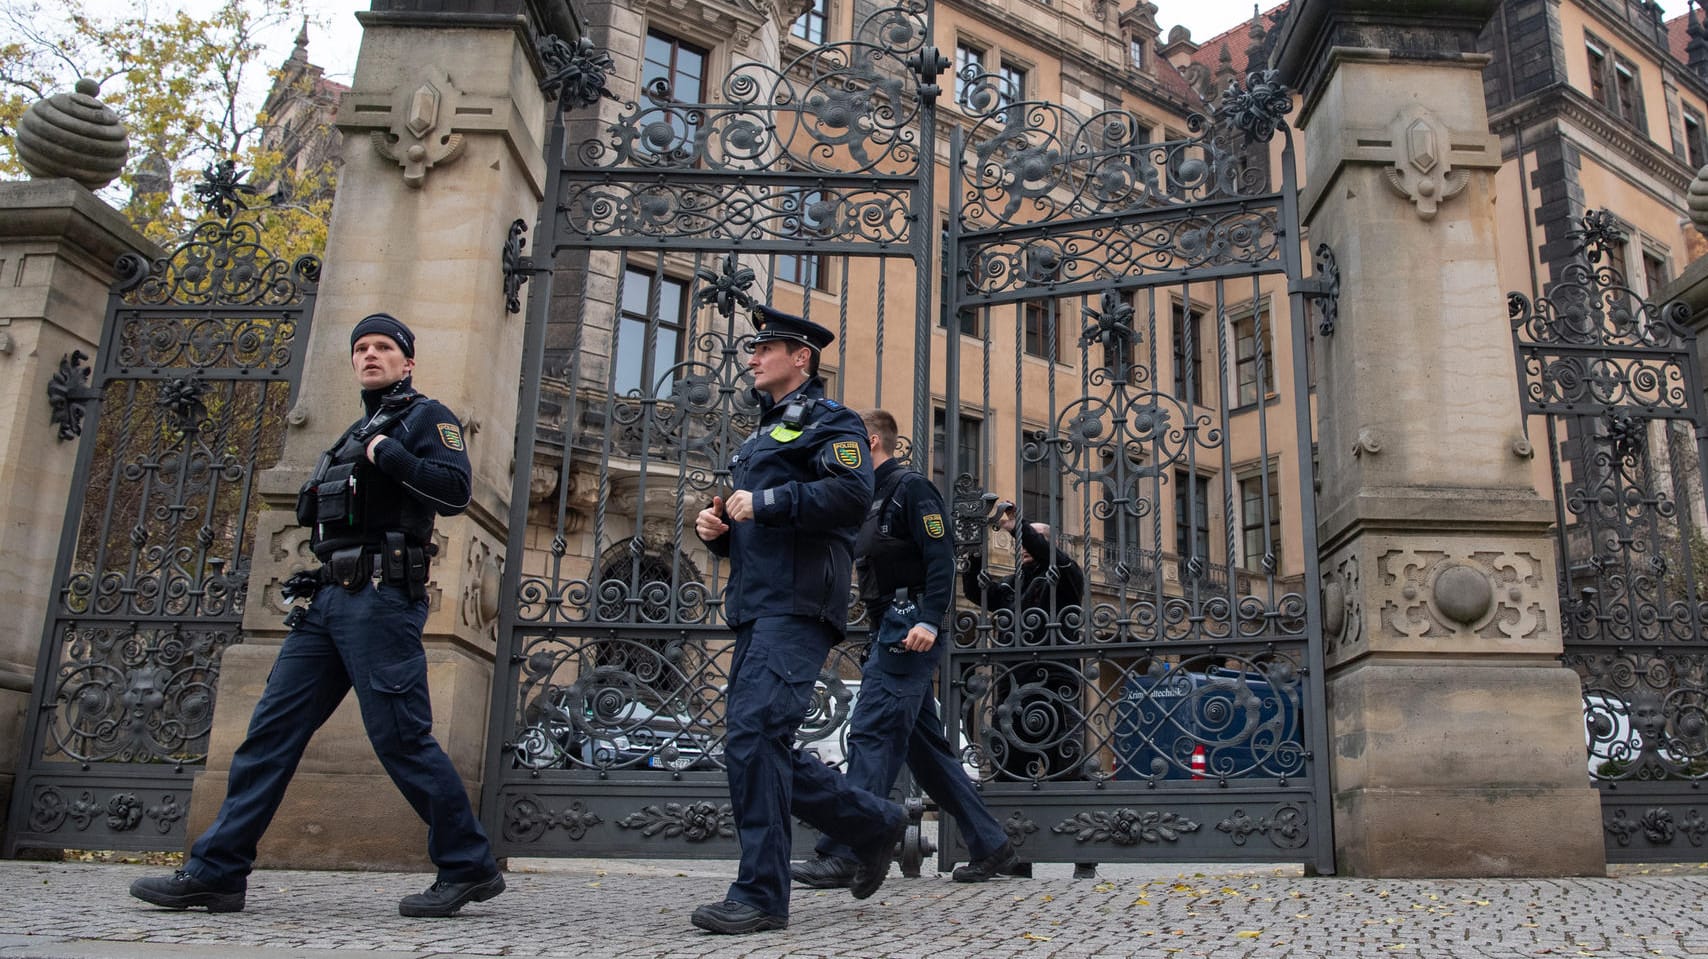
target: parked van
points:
(1220, 723)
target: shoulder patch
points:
(451, 436)
(848, 454)
(934, 525)
(830, 403)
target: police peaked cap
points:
(388, 325)
(777, 325)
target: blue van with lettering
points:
(1174, 723)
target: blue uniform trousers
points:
(776, 661)
(895, 719)
(369, 640)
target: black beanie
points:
(390, 326)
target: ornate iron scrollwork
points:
(575, 76)
(1322, 289)
(68, 392)
(517, 267)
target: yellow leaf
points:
(1248, 933)
(1104, 887)
(1034, 938)
(1141, 901)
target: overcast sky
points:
(333, 40)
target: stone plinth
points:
(58, 245)
(1456, 736)
(444, 131)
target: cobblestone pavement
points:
(586, 908)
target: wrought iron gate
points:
(810, 186)
(200, 354)
(1618, 385)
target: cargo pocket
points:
(793, 671)
(402, 689)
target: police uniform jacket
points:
(810, 487)
(420, 471)
(916, 553)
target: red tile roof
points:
(1237, 39)
(1678, 37)
(1171, 80)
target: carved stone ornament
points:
(1427, 163)
(1696, 201)
(1436, 594)
(419, 137)
(483, 573)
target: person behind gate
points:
(369, 508)
(905, 558)
(800, 486)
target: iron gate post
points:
(1455, 733)
(53, 314)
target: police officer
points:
(801, 483)
(369, 508)
(906, 561)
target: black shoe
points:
(1019, 870)
(182, 890)
(823, 872)
(996, 864)
(733, 918)
(444, 898)
(1085, 870)
(874, 864)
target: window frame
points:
(1177, 311)
(1036, 505)
(1695, 147)
(971, 425)
(1265, 390)
(819, 13)
(1254, 527)
(1185, 525)
(967, 53)
(648, 372)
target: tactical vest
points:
(885, 561)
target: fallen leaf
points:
(1248, 933)
(1034, 937)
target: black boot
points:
(182, 890)
(995, 864)
(733, 918)
(874, 863)
(823, 872)
(444, 898)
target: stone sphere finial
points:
(73, 135)
(1696, 200)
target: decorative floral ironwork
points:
(1323, 289)
(1598, 234)
(221, 189)
(727, 288)
(574, 76)
(1017, 827)
(1126, 827)
(122, 812)
(695, 822)
(516, 266)
(1258, 109)
(1285, 826)
(68, 394)
(527, 818)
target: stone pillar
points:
(58, 245)
(444, 147)
(1456, 737)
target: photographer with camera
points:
(370, 508)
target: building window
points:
(969, 451)
(1040, 482)
(1695, 147)
(1188, 355)
(809, 26)
(1013, 85)
(1615, 83)
(1617, 261)
(1252, 360)
(1041, 330)
(805, 269)
(1136, 50)
(1192, 515)
(1260, 520)
(642, 368)
(1654, 272)
(969, 63)
(682, 66)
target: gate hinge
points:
(1322, 289)
(68, 392)
(518, 269)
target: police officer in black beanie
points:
(369, 508)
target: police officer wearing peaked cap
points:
(370, 508)
(800, 486)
